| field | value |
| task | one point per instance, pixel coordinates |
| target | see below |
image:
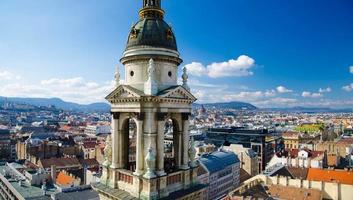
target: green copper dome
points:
(151, 32)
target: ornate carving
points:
(150, 161)
(133, 33)
(170, 34)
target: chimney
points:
(53, 174)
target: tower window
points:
(170, 74)
(132, 73)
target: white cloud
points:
(6, 75)
(235, 67)
(270, 93)
(351, 69)
(348, 88)
(73, 89)
(196, 69)
(323, 90)
(282, 89)
(306, 94)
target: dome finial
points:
(152, 3)
(152, 9)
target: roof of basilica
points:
(151, 32)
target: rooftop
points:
(60, 162)
(64, 179)
(335, 176)
(218, 160)
(288, 192)
(24, 189)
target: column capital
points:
(185, 116)
(140, 116)
(161, 116)
(116, 115)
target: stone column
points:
(185, 141)
(160, 144)
(139, 146)
(115, 140)
(150, 134)
(113, 182)
(120, 144)
(178, 148)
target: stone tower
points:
(153, 162)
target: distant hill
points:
(59, 103)
(228, 105)
(299, 109)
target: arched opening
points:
(171, 145)
(129, 144)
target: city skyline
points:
(291, 56)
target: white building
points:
(222, 173)
(97, 130)
(299, 158)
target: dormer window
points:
(134, 33)
(170, 34)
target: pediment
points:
(178, 92)
(124, 91)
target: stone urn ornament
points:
(108, 151)
(150, 161)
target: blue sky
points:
(270, 53)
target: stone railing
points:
(174, 178)
(125, 177)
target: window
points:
(132, 73)
(170, 74)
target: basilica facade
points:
(149, 154)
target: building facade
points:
(7, 146)
(248, 158)
(223, 173)
(150, 98)
(261, 141)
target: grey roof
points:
(5, 131)
(218, 160)
(112, 193)
(152, 32)
(87, 194)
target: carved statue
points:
(117, 77)
(192, 153)
(151, 87)
(150, 161)
(185, 79)
(151, 69)
(108, 152)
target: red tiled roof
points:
(89, 162)
(63, 179)
(60, 162)
(345, 141)
(89, 145)
(335, 176)
(290, 134)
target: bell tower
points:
(149, 154)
